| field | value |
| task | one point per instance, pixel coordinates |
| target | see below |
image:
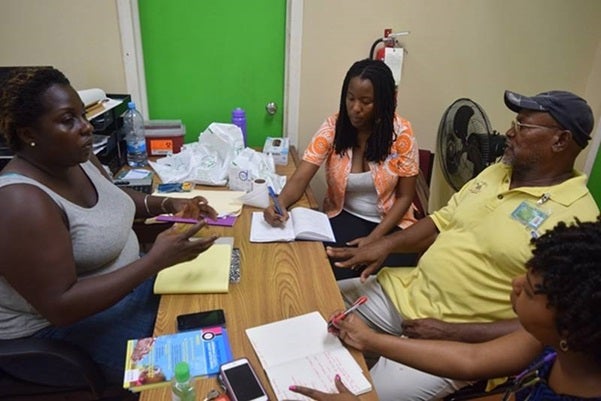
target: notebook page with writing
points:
(262, 231)
(300, 351)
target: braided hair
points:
(378, 144)
(21, 99)
(568, 258)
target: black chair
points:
(42, 369)
(422, 188)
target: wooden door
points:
(202, 59)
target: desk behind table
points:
(278, 281)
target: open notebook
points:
(303, 224)
(300, 351)
(208, 273)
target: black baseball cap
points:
(571, 111)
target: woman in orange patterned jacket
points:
(371, 159)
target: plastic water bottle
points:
(182, 388)
(239, 119)
(133, 127)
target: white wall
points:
(460, 48)
(79, 37)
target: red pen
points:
(360, 301)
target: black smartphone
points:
(241, 382)
(199, 320)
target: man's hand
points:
(371, 255)
(429, 328)
(343, 394)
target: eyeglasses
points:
(517, 126)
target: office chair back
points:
(31, 367)
(422, 188)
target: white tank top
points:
(361, 198)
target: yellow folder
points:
(208, 273)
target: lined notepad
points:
(300, 351)
(208, 273)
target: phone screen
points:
(243, 383)
(201, 319)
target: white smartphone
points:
(241, 382)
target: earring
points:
(32, 144)
(563, 345)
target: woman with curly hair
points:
(371, 159)
(557, 302)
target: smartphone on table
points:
(199, 320)
(241, 382)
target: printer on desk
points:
(107, 133)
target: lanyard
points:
(529, 377)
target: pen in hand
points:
(360, 301)
(276, 203)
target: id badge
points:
(529, 216)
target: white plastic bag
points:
(250, 165)
(204, 162)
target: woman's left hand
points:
(344, 394)
(195, 208)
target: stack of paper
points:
(300, 351)
(208, 273)
(226, 203)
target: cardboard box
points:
(164, 137)
(278, 147)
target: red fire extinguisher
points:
(381, 44)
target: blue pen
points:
(276, 203)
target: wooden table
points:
(278, 281)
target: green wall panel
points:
(594, 181)
(202, 59)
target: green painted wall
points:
(594, 181)
(204, 58)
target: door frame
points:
(591, 157)
(133, 61)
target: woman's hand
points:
(273, 218)
(174, 245)
(353, 331)
(195, 208)
(343, 394)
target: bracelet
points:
(146, 205)
(163, 205)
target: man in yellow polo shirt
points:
(477, 243)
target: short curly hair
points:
(568, 258)
(21, 99)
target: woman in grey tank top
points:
(70, 266)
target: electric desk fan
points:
(466, 143)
